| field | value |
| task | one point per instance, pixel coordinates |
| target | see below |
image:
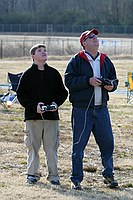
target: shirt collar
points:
(90, 57)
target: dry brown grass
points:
(13, 152)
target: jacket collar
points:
(102, 57)
(35, 66)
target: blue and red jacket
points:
(77, 75)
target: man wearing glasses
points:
(90, 76)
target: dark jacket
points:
(41, 86)
(77, 77)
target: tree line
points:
(73, 12)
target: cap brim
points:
(95, 31)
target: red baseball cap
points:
(86, 33)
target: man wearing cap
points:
(90, 76)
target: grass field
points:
(13, 153)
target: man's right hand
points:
(39, 107)
(94, 81)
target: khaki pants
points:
(44, 132)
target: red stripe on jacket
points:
(102, 57)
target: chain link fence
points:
(64, 28)
(62, 46)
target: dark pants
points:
(84, 121)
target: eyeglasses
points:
(90, 37)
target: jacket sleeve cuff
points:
(88, 80)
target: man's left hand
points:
(108, 87)
(56, 106)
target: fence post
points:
(23, 48)
(1, 49)
(62, 49)
(131, 47)
(115, 46)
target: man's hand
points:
(56, 107)
(108, 87)
(94, 81)
(39, 107)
